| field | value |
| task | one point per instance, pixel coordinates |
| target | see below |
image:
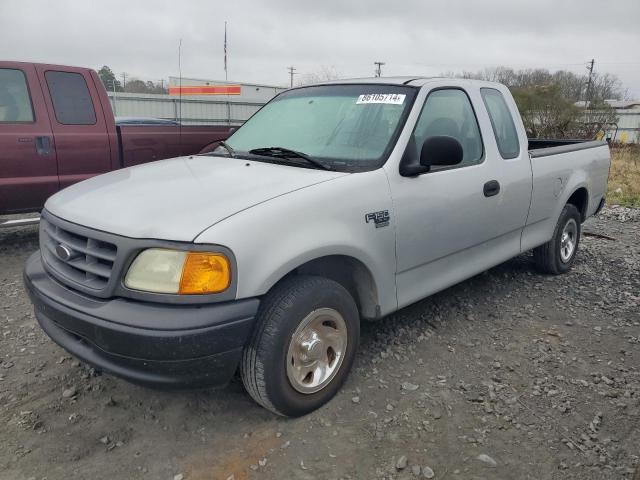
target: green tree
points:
(109, 79)
(547, 113)
(136, 85)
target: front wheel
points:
(303, 346)
(558, 254)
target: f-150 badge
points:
(380, 219)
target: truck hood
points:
(179, 198)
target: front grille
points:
(90, 264)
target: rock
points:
(427, 472)
(389, 407)
(483, 457)
(410, 387)
(415, 469)
(401, 464)
(70, 392)
(104, 440)
(355, 399)
(179, 476)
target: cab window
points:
(449, 112)
(15, 104)
(502, 123)
(71, 99)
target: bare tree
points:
(322, 74)
(571, 86)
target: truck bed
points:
(142, 143)
(542, 147)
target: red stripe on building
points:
(206, 90)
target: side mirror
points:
(436, 150)
(440, 150)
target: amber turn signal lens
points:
(205, 273)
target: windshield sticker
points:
(389, 98)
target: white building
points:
(222, 103)
(628, 113)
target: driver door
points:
(446, 221)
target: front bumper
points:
(147, 343)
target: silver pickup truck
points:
(334, 203)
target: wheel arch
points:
(349, 272)
(580, 199)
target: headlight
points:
(161, 270)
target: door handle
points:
(491, 188)
(43, 145)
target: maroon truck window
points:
(15, 103)
(71, 98)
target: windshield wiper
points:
(281, 152)
(227, 147)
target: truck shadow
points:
(22, 237)
(458, 302)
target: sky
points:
(412, 37)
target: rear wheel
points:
(558, 254)
(303, 346)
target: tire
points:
(554, 256)
(273, 364)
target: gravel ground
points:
(508, 375)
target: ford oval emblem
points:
(63, 252)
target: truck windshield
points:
(345, 127)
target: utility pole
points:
(378, 68)
(590, 68)
(124, 80)
(292, 70)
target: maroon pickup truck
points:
(57, 128)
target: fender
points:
(274, 238)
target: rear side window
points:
(449, 112)
(502, 123)
(71, 98)
(15, 103)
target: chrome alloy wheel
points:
(568, 240)
(316, 350)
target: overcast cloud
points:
(413, 37)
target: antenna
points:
(180, 93)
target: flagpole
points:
(226, 74)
